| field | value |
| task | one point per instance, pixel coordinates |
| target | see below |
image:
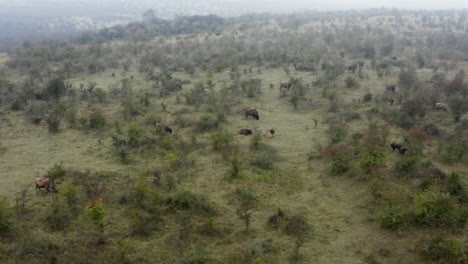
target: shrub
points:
(143, 223)
(207, 123)
(5, 217)
(246, 204)
(256, 141)
(222, 141)
(57, 218)
(96, 211)
(97, 120)
(341, 159)
(264, 158)
(53, 121)
(56, 88)
(370, 159)
(367, 97)
(185, 201)
(135, 134)
(445, 248)
(453, 151)
(99, 95)
(407, 166)
(455, 186)
(236, 166)
(434, 208)
(393, 217)
(351, 82)
(337, 132)
(57, 171)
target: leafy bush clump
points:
(340, 158)
(264, 158)
(207, 123)
(393, 217)
(337, 132)
(445, 248)
(97, 120)
(185, 201)
(57, 171)
(5, 217)
(351, 82)
(433, 208)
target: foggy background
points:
(46, 19)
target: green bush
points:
(370, 159)
(337, 132)
(97, 120)
(341, 159)
(185, 201)
(446, 249)
(207, 123)
(455, 186)
(407, 166)
(351, 82)
(135, 133)
(393, 217)
(453, 151)
(264, 158)
(433, 208)
(5, 217)
(57, 217)
(57, 171)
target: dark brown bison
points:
(352, 68)
(403, 151)
(45, 183)
(391, 101)
(160, 128)
(394, 58)
(441, 106)
(391, 88)
(286, 85)
(245, 132)
(253, 113)
(395, 146)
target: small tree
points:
(298, 227)
(246, 205)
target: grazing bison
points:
(403, 151)
(286, 85)
(394, 58)
(395, 146)
(441, 106)
(391, 101)
(391, 88)
(253, 113)
(45, 183)
(245, 132)
(160, 128)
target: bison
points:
(253, 113)
(441, 106)
(286, 85)
(45, 183)
(391, 88)
(245, 132)
(160, 128)
(403, 151)
(395, 146)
